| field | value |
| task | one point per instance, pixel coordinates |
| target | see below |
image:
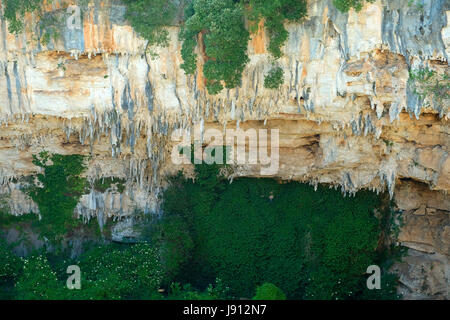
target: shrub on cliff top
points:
(225, 38)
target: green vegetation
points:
(49, 26)
(10, 268)
(433, 88)
(38, 281)
(221, 23)
(187, 292)
(225, 39)
(56, 192)
(8, 220)
(346, 5)
(275, 13)
(150, 17)
(312, 245)
(269, 291)
(120, 272)
(15, 11)
(108, 272)
(418, 4)
(252, 236)
(388, 143)
(274, 78)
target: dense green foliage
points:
(346, 5)
(269, 291)
(38, 281)
(251, 236)
(15, 10)
(115, 272)
(150, 17)
(221, 22)
(274, 78)
(57, 191)
(225, 39)
(187, 292)
(312, 245)
(275, 13)
(9, 263)
(107, 272)
(8, 220)
(103, 184)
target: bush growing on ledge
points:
(274, 79)
(225, 36)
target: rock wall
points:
(346, 113)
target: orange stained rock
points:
(258, 41)
(98, 36)
(305, 48)
(201, 81)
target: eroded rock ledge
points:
(346, 114)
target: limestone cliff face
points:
(346, 113)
